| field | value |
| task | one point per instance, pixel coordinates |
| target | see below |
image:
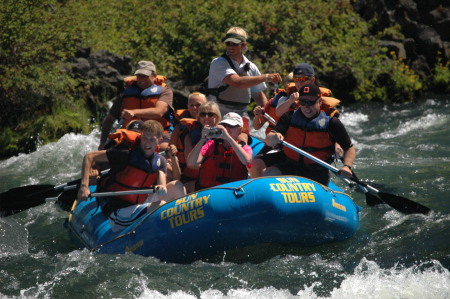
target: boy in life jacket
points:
(219, 155)
(208, 114)
(187, 123)
(126, 136)
(143, 99)
(132, 167)
(313, 131)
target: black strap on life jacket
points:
(217, 91)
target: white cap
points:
(233, 119)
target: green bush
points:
(39, 37)
(441, 80)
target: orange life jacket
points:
(312, 136)
(123, 136)
(271, 106)
(192, 127)
(181, 113)
(328, 106)
(135, 98)
(289, 89)
(223, 166)
(139, 173)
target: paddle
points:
(401, 204)
(373, 196)
(19, 199)
(114, 193)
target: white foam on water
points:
(369, 280)
(416, 125)
(16, 236)
(54, 163)
(352, 119)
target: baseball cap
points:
(232, 119)
(304, 69)
(135, 125)
(234, 38)
(146, 68)
(310, 92)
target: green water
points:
(401, 149)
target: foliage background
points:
(40, 101)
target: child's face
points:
(149, 143)
(193, 104)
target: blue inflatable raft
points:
(281, 210)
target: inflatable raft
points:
(281, 210)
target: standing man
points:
(233, 79)
(143, 99)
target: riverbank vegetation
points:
(41, 99)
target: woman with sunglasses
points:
(313, 131)
(190, 129)
(219, 155)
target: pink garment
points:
(208, 149)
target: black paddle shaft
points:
(401, 204)
(21, 198)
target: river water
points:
(402, 149)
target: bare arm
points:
(243, 156)
(259, 120)
(260, 98)
(187, 146)
(349, 158)
(194, 159)
(284, 107)
(172, 155)
(150, 113)
(273, 138)
(88, 161)
(161, 181)
(249, 81)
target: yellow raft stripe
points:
(338, 205)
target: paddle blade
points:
(66, 199)
(18, 199)
(372, 200)
(402, 204)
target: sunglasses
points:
(207, 114)
(307, 103)
(301, 79)
(230, 44)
